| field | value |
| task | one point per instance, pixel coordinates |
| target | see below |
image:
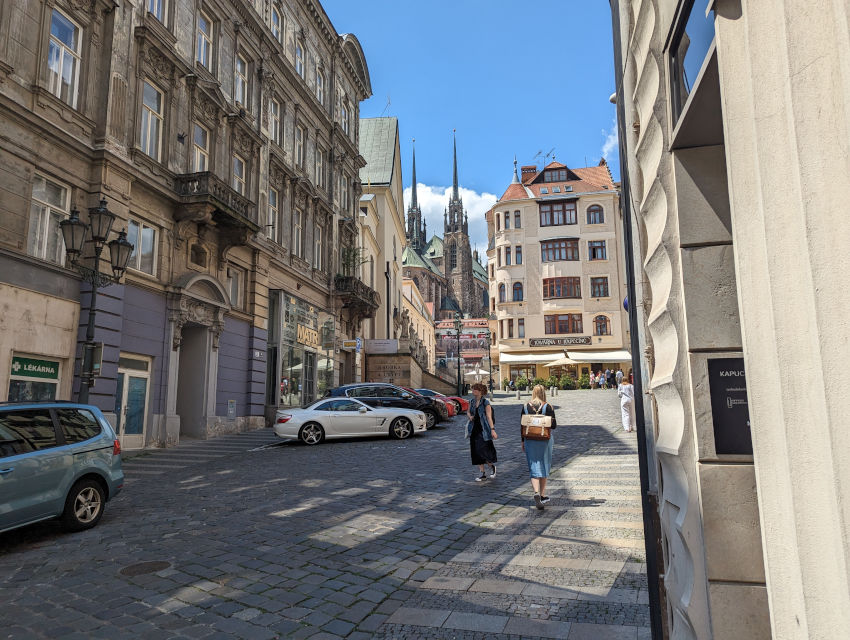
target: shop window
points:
(32, 379)
(143, 239)
(49, 206)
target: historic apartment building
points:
(446, 269)
(733, 121)
(223, 134)
(556, 274)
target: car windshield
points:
(426, 392)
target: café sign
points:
(559, 342)
(32, 368)
(308, 336)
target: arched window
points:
(498, 221)
(601, 326)
(517, 291)
(507, 219)
(595, 214)
(502, 292)
(452, 256)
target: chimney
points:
(528, 172)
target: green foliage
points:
(566, 382)
(540, 381)
(584, 382)
(551, 381)
(506, 383)
(522, 383)
(350, 258)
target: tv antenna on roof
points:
(387, 106)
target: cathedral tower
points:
(415, 230)
(457, 257)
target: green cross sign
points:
(32, 368)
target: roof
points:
(410, 258)
(378, 147)
(582, 180)
(479, 271)
(449, 304)
(434, 248)
(515, 192)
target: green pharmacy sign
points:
(32, 368)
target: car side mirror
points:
(406, 395)
(362, 410)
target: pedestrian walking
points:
(619, 376)
(626, 393)
(611, 380)
(481, 431)
(538, 450)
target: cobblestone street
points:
(247, 537)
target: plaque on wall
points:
(729, 410)
(559, 342)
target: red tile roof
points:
(515, 191)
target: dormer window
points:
(555, 175)
(567, 188)
(543, 191)
(556, 189)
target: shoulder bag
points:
(536, 426)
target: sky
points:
(522, 79)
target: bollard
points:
(517, 394)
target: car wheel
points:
(83, 506)
(401, 428)
(311, 433)
(458, 408)
(430, 419)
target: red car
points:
(461, 404)
(451, 407)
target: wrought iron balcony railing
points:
(357, 295)
(228, 206)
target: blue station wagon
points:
(57, 460)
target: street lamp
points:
(76, 233)
(458, 326)
(489, 362)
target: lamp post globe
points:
(100, 221)
(74, 234)
(120, 251)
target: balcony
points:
(216, 200)
(360, 299)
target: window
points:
(205, 41)
(507, 219)
(299, 146)
(77, 425)
(596, 250)
(63, 58)
(544, 191)
(320, 86)
(240, 81)
(492, 270)
(343, 116)
(157, 9)
(502, 295)
(507, 256)
(518, 254)
(517, 292)
(517, 220)
(555, 175)
(595, 214)
(299, 59)
(234, 286)
(343, 192)
(601, 326)
(498, 222)
(151, 126)
(201, 148)
(499, 257)
(297, 230)
(561, 288)
(26, 431)
(557, 250)
(274, 214)
(510, 328)
(317, 249)
(557, 213)
(277, 26)
(49, 206)
(562, 323)
(452, 256)
(556, 189)
(599, 287)
(521, 328)
(239, 183)
(143, 239)
(321, 164)
(274, 121)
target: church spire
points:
(514, 181)
(454, 179)
(413, 195)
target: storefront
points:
(33, 379)
(302, 346)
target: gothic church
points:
(446, 270)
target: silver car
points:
(346, 418)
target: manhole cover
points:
(141, 568)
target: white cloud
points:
(611, 144)
(434, 200)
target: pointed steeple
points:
(454, 178)
(516, 175)
(413, 204)
(414, 214)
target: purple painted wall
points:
(241, 377)
(144, 332)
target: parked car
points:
(57, 460)
(382, 394)
(451, 407)
(346, 418)
(461, 403)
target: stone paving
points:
(245, 537)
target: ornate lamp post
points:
(76, 234)
(458, 327)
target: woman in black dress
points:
(481, 432)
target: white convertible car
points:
(346, 418)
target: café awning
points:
(599, 356)
(530, 358)
(560, 362)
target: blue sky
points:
(512, 78)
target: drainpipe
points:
(649, 500)
(387, 276)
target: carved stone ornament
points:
(82, 5)
(243, 143)
(160, 66)
(208, 110)
(188, 310)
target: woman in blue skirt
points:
(538, 453)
